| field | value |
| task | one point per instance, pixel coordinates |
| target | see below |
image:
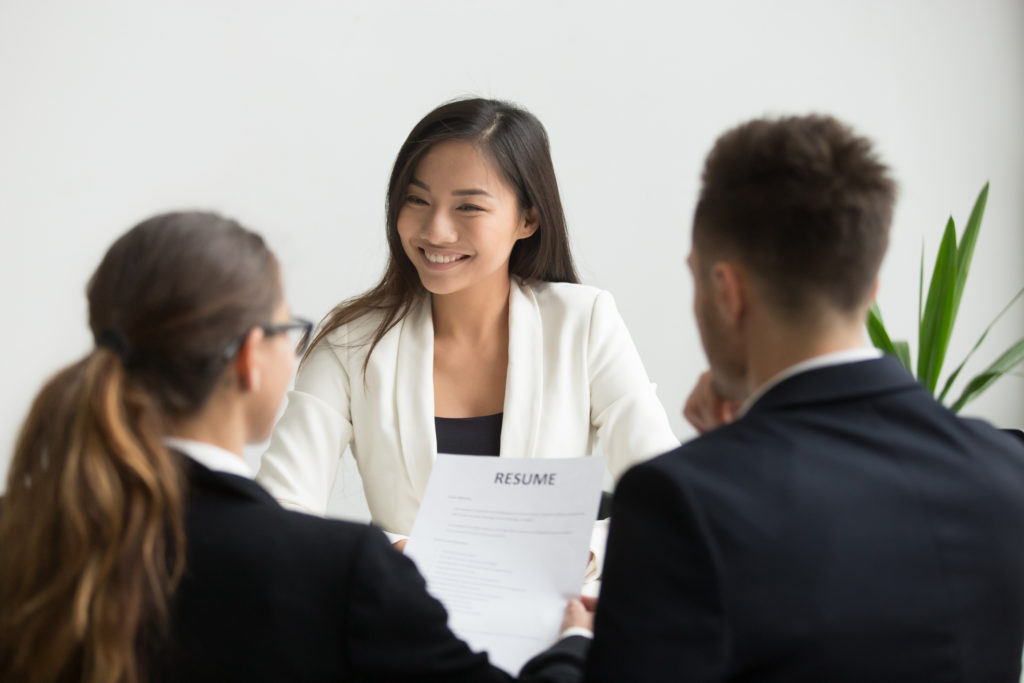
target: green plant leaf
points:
(1002, 365)
(937, 321)
(880, 338)
(876, 330)
(903, 353)
(920, 286)
(952, 377)
(965, 252)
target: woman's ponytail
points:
(92, 525)
(94, 506)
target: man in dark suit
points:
(275, 595)
(845, 526)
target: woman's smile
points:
(441, 260)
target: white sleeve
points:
(305, 449)
(631, 422)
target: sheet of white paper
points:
(503, 544)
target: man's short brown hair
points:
(804, 203)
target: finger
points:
(695, 420)
(728, 411)
(699, 416)
(699, 406)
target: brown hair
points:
(802, 201)
(92, 522)
(517, 144)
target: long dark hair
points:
(517, 144)
(91, 526)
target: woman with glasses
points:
(476, 341)
(135, 545)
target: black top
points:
(469, 435)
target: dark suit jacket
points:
(848, 528)
(275, 595)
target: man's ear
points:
(246, 363)
(729, 287)
(531, 221)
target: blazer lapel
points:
(414, 394)
(525, 379)
(414, 385)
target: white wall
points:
(287, 115)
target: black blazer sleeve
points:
(659, 617)
(398, 632)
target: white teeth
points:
(438, 258)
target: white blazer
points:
(574, 378)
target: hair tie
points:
(116, 342)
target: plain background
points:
(287, 116)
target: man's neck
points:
(777, 348)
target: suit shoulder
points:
(567, 300)
(569, 292)
(700, 452)
(357, 331)
(354, 532)
(349, 344)
(724, 453)
(303, 532)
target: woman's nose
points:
(439, 229)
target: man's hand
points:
(400, 545)
(705, 409)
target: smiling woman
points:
(460, 221)
(477, 338)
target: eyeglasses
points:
(299, 331)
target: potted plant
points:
(937, 315)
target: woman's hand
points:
(705, 409)
(580, 613)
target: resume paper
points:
(503, 544)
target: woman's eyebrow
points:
(456, 193)
(465, 193)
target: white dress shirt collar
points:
(211, 457)
(835, 358)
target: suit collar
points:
(212, 457)
(414, 378)
(201, 476)
(837, 383)
(824, 360)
